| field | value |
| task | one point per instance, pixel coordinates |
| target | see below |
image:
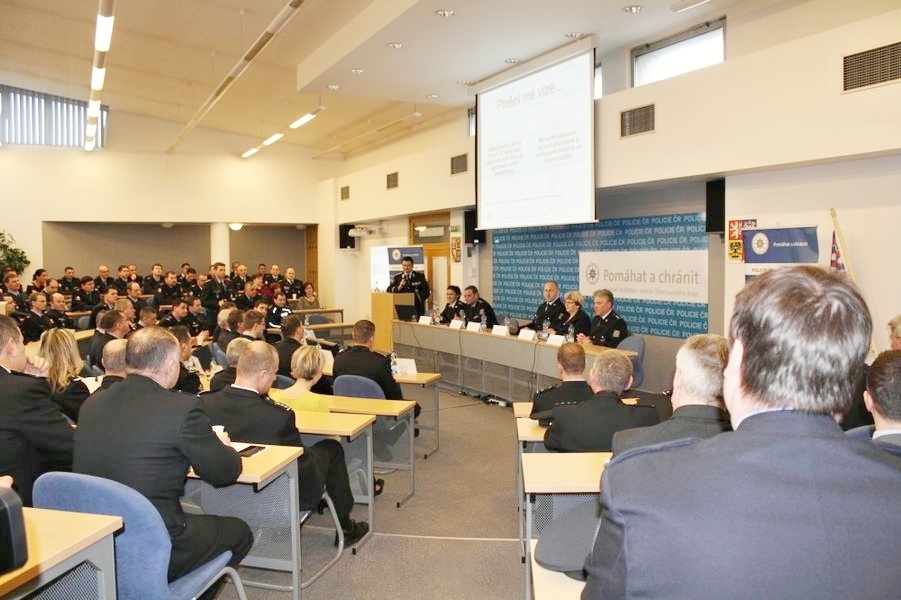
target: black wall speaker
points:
(344, 239)
(716, 206)
(471, 235)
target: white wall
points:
(864, 194)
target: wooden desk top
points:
(522, 410)
(528, 430)
(328, 423)
(369, 406)
(313, 311)
(53, 536)
(417, 378)
(263, 465)
(321, 326)
(563, 472)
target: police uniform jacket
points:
(567, 391)
(474, 313)
(190, 288)
(415, 283)
(60, 319)
(609, 331)
(151, 285)
(34, 325)
(68, 285)
(213, 292)
(34, 436)
(167, 295)
(102, 283)
(360, 360)
(82, 300)
(694, 421)
(589, 425)
(452, 311)
(553, 312)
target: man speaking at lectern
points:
(410, 281)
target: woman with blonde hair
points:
(59, 348)
(574, 316)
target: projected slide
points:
(536, 148)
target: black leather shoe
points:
(353, 533)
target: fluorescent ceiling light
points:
(97, 77)
(302, 121)
(91, 130)
(104, 35)
(94, 108)
(89, 144)
(684, 5)
(273, 138)
(250, 153)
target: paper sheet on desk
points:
(238, 446)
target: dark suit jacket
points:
(223, 378)
(785, 507)
(98, 341)
(416, 284)
(70, 398)
(249, 417)
(146, 437)
(567, 391)
(286, 349)
(34, 436)
(580, 323)
(589, 425)
(694, 421)
(360, 360)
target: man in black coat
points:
(551, 310)
(588, 425)
(410, 281)
(360, 359)
(784, 506)
(698, 409)
(574, 388)
(249, 415)
(608, 328)
(140, 433)
(34, 436)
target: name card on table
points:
(474, 326)
(455, 324)
(556, 340)
(527, 334)
(406, 366)
(501, 330)
(425, 320)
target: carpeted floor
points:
(456, 538)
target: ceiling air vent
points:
(871, 67)
(637, 120)
(458, 164)
(391, 180)
(345, 192)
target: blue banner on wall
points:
(523, 259)
(784, 245)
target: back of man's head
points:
(9, 330)
(256, 357)
(109, 319)
(222, 317)
(804, 333)
(611, 371)
(363, 331)
(234, 350)
(700, 362)
(884, 385)
(113, 359)
(150, 348)
(290, 325)
(251, 319)
(235, 317)
(571, 358)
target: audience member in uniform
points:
(292, 286)
(134, 296)
(574, 318)
(107, 302)
(476, 309)
(309, 299)
(551, 310)
(140, 433)
(454, 305)
(215, 291)
(883, 399)
(36, 322)
(13, 291)
(244, 301)
(113, 363)
(588, 425)
(103, 279)
(57, 312)
(574, 388)
(68, 283)
(253, 325)
(278, 311)
(190, 286)
(698, 408)
(360, 359)
(38, 281)
(34, 436)
(86, 297)
(239, 279)
(188, 378)
(786, 505)
(178, 314)
(147, 318)
(292, 339)
(153, 281)
(50, 288)
(127, 308)
(227, 375)
(197, 322)
(607, 327)
(122, 280)
(64, 367)
(169, 291)
(249, 414)
(113, 325)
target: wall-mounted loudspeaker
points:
(344, 239)
(471, 235)
(716, 206)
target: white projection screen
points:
(535, 147)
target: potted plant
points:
(10, 256)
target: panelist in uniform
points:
(574, 388)
(454, 305)
(140, 433)
(477, 310)
(574, 318)
(411, 281)
(551, 310)
(607, 327)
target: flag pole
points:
(847, 260)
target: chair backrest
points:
(143, 545)
(318, 319)
(283, 382)
(358, 387)
(218, 354)
(83, 322)
(635, 343)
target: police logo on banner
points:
(592, 273)
(760, 243)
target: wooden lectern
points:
(382, 316)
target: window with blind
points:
(37, 119)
